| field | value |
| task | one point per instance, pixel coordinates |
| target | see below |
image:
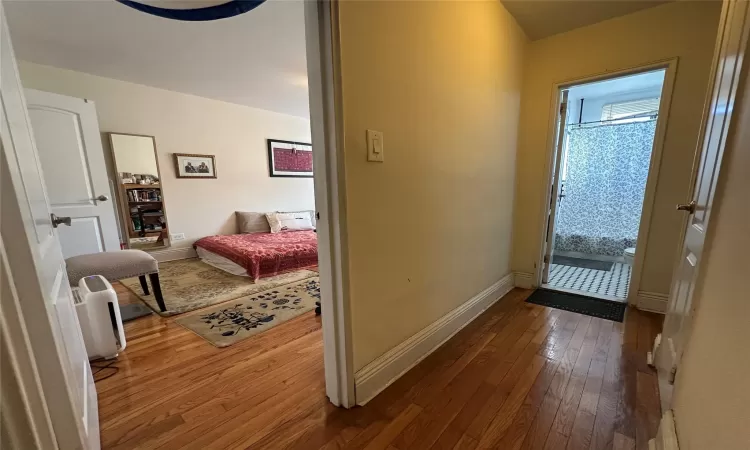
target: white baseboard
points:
(666, 437)
(370, 380)
(652, 301)
(523, 280)
(172, 254)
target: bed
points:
(260, 255)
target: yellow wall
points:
(711, 398)
(681, 29)
(431, 226)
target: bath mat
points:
(584, 263)
(191, 284)
(234, 321)
(594, 307)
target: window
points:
(631, 111)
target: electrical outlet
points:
(178, 236)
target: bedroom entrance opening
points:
(199, 230)
(603, 155)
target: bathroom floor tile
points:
(614, 283)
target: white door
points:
(554, 201)
(38, 271)
(67, 137)
(730, 49)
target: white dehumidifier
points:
(99, 316)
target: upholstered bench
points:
(115, 266)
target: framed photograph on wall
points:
(289, 159)
(194, 166)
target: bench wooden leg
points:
(144, 284)
(157, 291)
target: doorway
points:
(604, 157)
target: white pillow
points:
(296, 221)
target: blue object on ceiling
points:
(221, 11)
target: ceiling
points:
(255, 59)
(540, 18)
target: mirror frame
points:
(124, 209)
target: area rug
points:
(190, 284)
(594, 307)
(227, 324)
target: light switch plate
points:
(375, 146)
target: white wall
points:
(134, 154)
(184, 123)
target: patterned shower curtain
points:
(607, 167)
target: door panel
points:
(82, 237)
(730, 49)
(66, 131)
(38, 269)
(65, 167)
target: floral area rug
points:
(234, 321)
(190, 284)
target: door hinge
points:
(672, 375)
(546, 259)
(563, 107)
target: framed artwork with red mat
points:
(289, 159)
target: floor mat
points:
(594, 307)
(580, 262)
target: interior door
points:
(555, 196)
(67, 137)
(731, 45)
(38, 270)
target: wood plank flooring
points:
(520, 376)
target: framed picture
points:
(195, 166)
(289, 159)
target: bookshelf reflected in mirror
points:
(142, 206)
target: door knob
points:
(689, 207)
(57, 221)
(102, 198)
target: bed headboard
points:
(256, 222)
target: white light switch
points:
(375, 146)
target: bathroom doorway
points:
(603, 155)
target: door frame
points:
(326, 122)
(670, 67)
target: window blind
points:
(631, 108)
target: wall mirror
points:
(142, 207)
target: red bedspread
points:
(265, 254)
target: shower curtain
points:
(607, 168)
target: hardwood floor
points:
(520, 376)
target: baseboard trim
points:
(370, 380)
(652, 301)
(523, 280)
(666, 437)
(173, 254)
